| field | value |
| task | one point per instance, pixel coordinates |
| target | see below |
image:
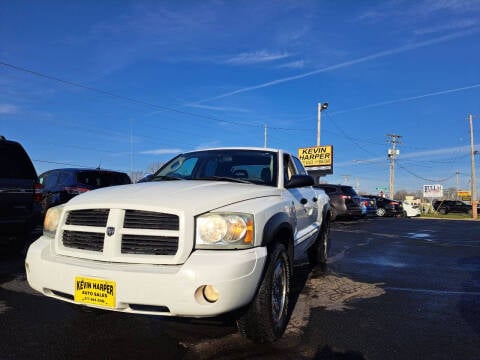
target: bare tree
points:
(153, 167)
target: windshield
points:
(252, 166)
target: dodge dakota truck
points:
(212, 232)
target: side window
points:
(66, 179)
(288, 168)
(300, 169)
(50, 180)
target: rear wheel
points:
(381, 212)
(318, 252)
(266, 317)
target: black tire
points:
(318, 252)
(381, 212)
(266, 317)
(333, 214)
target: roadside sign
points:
(432, 191)
(464, 195)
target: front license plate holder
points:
(98, 292)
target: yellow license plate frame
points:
(99, 292)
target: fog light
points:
(210, 293)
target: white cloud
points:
(161, 151)
(456, 25)
(219, 108)
(412, 155)
(7, 109)
(256, 57)
(293, 65)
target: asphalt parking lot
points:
(393, 289)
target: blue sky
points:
(125, 84)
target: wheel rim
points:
(380, 212)
(279, 290)
(325, 238)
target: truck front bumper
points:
(171, 290)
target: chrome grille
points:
(137, 219)
(149, 245)
(90, 217)
(83, 240)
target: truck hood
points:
(195, 195)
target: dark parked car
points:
(344, 200)
(60, 185)
(452, 206)
(369, 206)
(20, 196)
(387, 207)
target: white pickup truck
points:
(212, 232)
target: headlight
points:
(51, 221)
(224, 230)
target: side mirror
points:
(297, 181)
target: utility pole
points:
(472, 152)
(265, 136)
(346, 179)
(457, 182)
(321, 107)
(392, 153)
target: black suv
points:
(452, 206)
(344, 200)
(20, 197)
(60, 185)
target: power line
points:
(124, 98)
(423, 178)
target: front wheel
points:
(442, 211)
(266, 317)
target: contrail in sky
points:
(378, 55)
(407, 99)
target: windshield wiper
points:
(165, 177)
(225, 178)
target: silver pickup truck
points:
(213, 231)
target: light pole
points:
(473, 153)
(321, 107)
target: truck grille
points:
(83, 240)
(91, 217)
(149, 245)
(136, 219)
(139, 233)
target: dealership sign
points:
(317, 158)
(432, 191)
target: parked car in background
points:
(20, 196)
(344, 200)
(410, 210)
(453, 206)
(60, 185)
(386, 206)
(369, 206)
